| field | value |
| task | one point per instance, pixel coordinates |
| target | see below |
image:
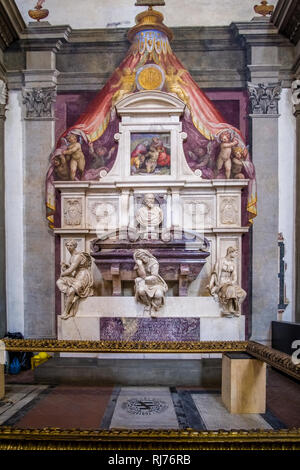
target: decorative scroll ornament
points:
(38, 102)
(3, 93)
(264, 9)
(264, 98)
(296, 93)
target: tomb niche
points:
(151, 183)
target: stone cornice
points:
(44, 37)
(230, 41)
(11, 23)
(286, 18)
(258, 32)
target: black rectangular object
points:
(284, 334)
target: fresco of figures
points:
(150, 154)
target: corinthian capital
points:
(264, 97)
(39, 102)
(296, 95)
(3, 93)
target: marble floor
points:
(27, 405)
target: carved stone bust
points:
(150, 215)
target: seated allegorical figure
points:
(223, 284)
(76, 280)
(150, 288)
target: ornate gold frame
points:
(60, 439)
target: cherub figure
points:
(76, 155)
(239, 154)
(126, 84)
(224, 157)
(173, 81)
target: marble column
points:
(39, 95)
(264, 119)
(296, 102)
(3, 103)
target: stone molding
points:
(264, 98)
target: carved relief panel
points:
(229, 211)
(73, 212)
(102, 213)
(198, 212)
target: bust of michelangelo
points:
(150, 215)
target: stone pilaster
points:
(3, 103)
(296, 102)
(261, 41)
(264, 122)
(39, 95)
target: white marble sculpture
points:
(150, 288)
(223, 284)
(149, 217)
(76, 280)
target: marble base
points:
(122, 319)
(128, 307)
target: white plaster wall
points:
(287, 169)
(100, 13)
(14, 213)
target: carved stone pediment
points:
(150, 103)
